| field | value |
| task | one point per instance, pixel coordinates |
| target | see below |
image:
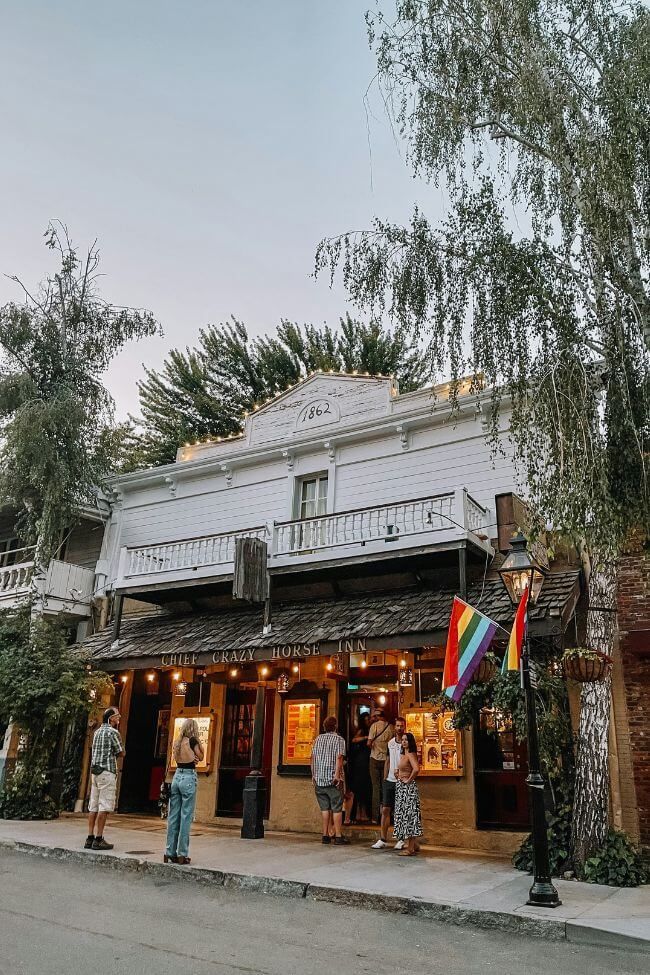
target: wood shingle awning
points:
(380, 621)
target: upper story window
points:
(12, 552)
(313, 497)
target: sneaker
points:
(341, 841)
(326, 839)
(379, 845)
(88, 845)
(399, 845)
(99, 843)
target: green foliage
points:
(45, 684)
(618, 863)
(25, 792)
(559, 839)
(575, 653)
(542, 109)
(56, 414)
(503, 692)
(205, 391)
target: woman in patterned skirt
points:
(408, 819)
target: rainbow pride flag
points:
(512, 658)
(469, 637)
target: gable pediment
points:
(324, 403)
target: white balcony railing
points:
(15, 579)
(455, 513)
(64, 586)
(383, 523)
(191, 553)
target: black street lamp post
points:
(519, 572)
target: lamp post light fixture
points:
(519, 572)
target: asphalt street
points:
(66, 919)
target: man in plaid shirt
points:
(328, 752)
(107, 748)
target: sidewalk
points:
(457, 887)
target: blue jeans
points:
(181, 811)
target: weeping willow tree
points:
(56, 415)
(58, 441)
(534, 117)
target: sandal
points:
(406, 853)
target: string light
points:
(233, 672)
(177, 676)
(124, 678)
(264, 671)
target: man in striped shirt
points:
(328, 752)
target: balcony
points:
(437, 522)
(65, 588)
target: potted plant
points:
(586, 666)
(486, 670)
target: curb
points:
(456, 914)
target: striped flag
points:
(512, 658)
(469, 637)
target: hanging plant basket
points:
(485, 671)
(586, 666)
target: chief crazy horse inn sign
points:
(279, 652)
(283, 651)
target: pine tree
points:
(205, 391)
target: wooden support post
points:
(462, 571)
(267, 605)
(117, 618)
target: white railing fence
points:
(15, 578)
(454, 510)
(192, 553)
(385, 522)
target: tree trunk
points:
(591, 804)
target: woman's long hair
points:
(189, 729)
(412, 743)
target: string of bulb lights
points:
(281, 392)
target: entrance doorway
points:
(146, 743)
(357, 704)
(237, 746)
(500, 770)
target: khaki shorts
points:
(102, 792)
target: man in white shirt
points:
(388, 785)
(381, 731)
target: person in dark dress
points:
(359, 772)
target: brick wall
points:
(634, 642)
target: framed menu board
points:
(205, 726)
(301, 726)
(440, 747)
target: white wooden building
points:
(376, 508)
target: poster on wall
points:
(301, 722)
(450, 743)
(205, 724)
(439, 744)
